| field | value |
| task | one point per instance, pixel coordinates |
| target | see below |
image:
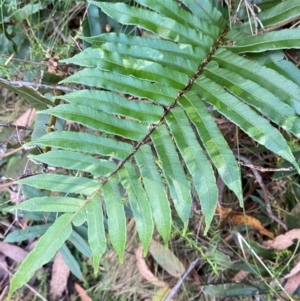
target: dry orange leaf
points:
(222, 211)
(284, 241)
(144, 270)
(82, 293)
(241, 219)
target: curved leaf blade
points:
(196, 162)
(125, 65)
(51, 204)
(96, 232)
(156, 192)
(281, 86)
(139, 204)
(43, 252)
(62, 183)
(100, 121)
(214, 142)
(258, 97)
(84, 142)
(155, 23)
(76, 161)
(124, 84)
(247, 119)
(171, 166)
(116, 216)
(282, 39)
(28, 233)
(114, 104)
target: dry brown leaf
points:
(82, 293)
(3, 267)
(240, 276)
(59, 277)
(284, 241)
(295, 269)
(291, 285)
(241, 219)
(166, 259)
(222, 211)
(14, 252)
(144, 270)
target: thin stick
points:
(180, 281)
(266, 169)
(264, 190)
(36, 85)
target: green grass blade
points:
(28, 233)
(43, 252)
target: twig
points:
(266, 169)
(264, 190)
(36, 85)
(180, 281)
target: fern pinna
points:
(151, 137)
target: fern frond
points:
(152, 140)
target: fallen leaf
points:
(166, 259)
(161, 294)
(284, 241)
(144, 269)
(222, 211)
(14, 252)
(59, 277)
(241, 219)
(291, 286)
(82, 293)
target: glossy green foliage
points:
(151, 140)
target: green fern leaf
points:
(214, 142)
(96, 233)
(84, 142)
(196, 162)
(116, 216)
(155, 191)
(139, 204)
(155, 90)
(43, 252)
(76, 161)
(174, 173)
(51, 204)
(62, 183)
